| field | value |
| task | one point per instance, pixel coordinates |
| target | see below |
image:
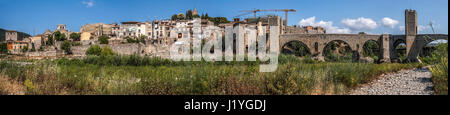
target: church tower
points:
(195, 12)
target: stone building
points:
(133, 29)
(36, 41)
(15, 45)
(305, 30)
(100, 29)
(11, 35)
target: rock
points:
(366, 60)
(406, 82)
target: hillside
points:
(21, 35)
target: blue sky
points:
(339, 16)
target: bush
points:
(75, 36)
(103, 39)
(25, 48)
(66, 46)
(106, 51)
(3, 48)
(94, 50)
(440, 69)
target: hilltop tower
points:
(411, 33)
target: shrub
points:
(94, 50)
(25, 48)
(75, 36)
(66, 46)
(3, 48)
(103, 39)
(106, 51)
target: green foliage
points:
(66, 46)
(189, 15)
(50, 41)
(297, 48)
(103, 39)
(440, 52)
(155, 76)
(205, 16)
(59, 36)
(196, 16)
(174, 17)
(440, 69)
(106, 51)
(219, 20)
(440, 77)
(94, 50)
(370, 50)
(136, 39)
(97, 51)
(75, 36)
(3, 48)
(25, 48)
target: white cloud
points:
(360, 24)
(328, 25)
(389, 22)
(89, 3)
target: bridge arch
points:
(399, 50)
(296, 47)
(338, 50)
(371, 48)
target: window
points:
(180, 35)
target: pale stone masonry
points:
(161, 34)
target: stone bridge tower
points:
(411, 33)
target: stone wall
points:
(120, 49)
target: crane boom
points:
(270, 10)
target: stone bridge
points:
(317, 42)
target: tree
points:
(207, 16)
(174, 17)
(219, 20)
(50, 40)
(142, 39)
(103, 39)
(66, 46)
(180, 16)
(75, 36)
(59, 36)
(3, 48)
(94, 50)
(189, 15)
(195, 16)
(25, 48)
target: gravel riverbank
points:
(405, 82)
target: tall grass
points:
(134, 75)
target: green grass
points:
(439, 68)
(153, 76)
